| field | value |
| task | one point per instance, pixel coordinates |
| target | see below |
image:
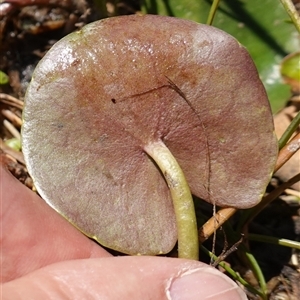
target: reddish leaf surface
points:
(101, 94)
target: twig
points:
(268, 199)
(225, 213)
(215, 222)
(10, 100)
(288, 151)
(234, 274)
(10, 127)
(12, 117)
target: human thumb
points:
(127, 278)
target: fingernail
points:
(204, 283)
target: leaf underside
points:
(101, 94)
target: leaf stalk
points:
(188, 244)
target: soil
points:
(29, 28)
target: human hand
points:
(45, 257)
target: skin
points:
(45, 257)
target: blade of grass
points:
(233, 274)
(212, 12)
(292, 12)
(289, 131)
(257, 271)
(274, 240)
(244, 253)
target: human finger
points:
(127, 278)
(33, 234)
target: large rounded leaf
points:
(261, 26)
(103, 94)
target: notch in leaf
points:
(131, 112)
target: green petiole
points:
(188, 243)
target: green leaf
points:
(3, 78)
(290, 67)
(259, 25)
(14, 144)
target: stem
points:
(188, 245)
(274, 240)
(288, 151)
(215, 222)
(233, 274)
(258, 273)
(292, 12)
(289, 131)
(212, 12)
(225, 213)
